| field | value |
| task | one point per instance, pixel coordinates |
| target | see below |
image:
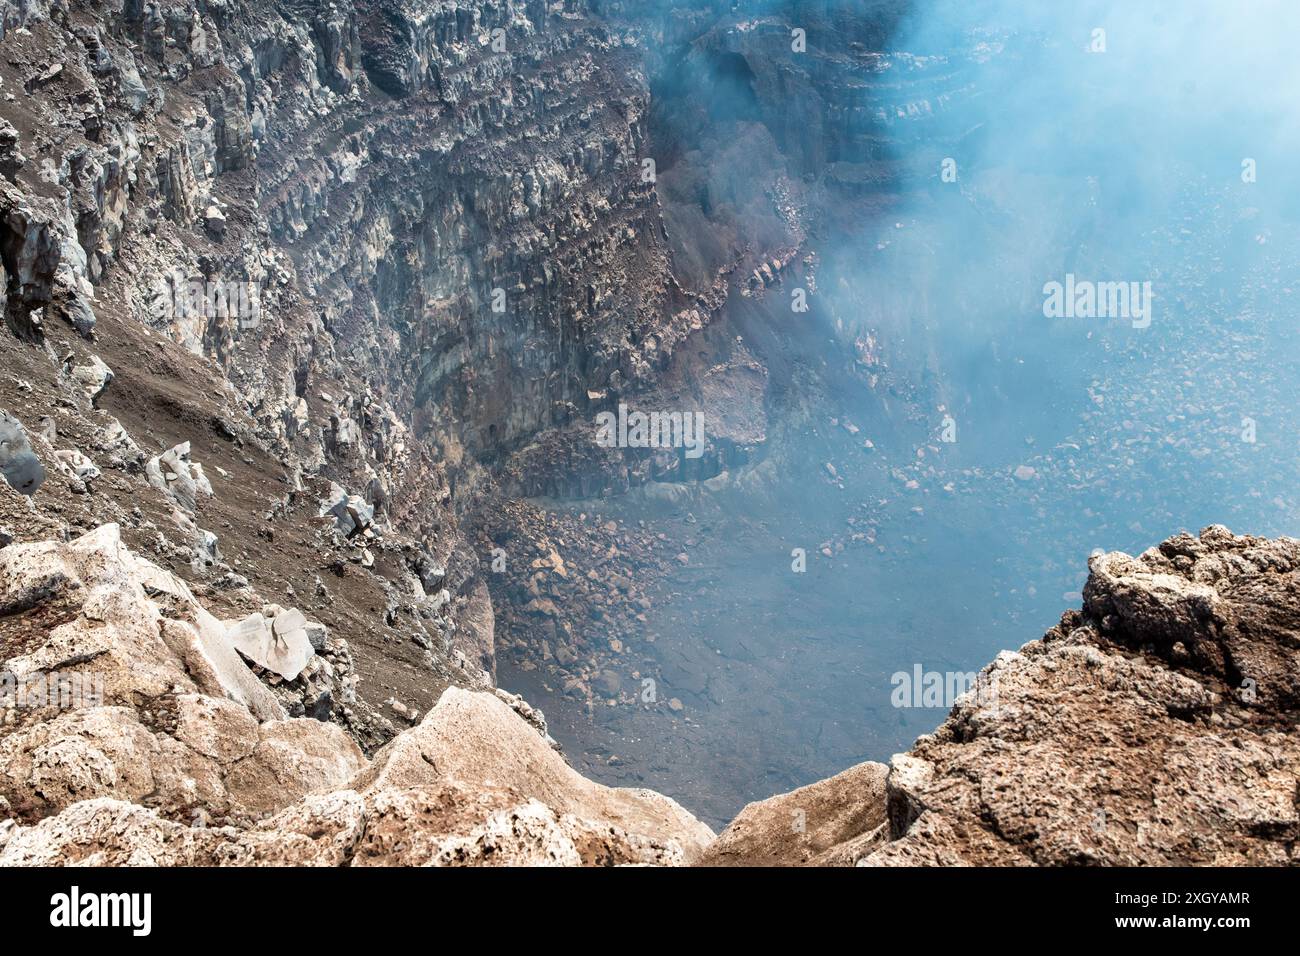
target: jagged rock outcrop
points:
(1157, 726)
(163, 746)
(479, 740)
(160, 705)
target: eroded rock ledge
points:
(1154, 726)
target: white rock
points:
(280, 644)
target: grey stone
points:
(94, 378)
(278, 643)
(175, 475)
(18, 463)
(317, 635)
(351, 513)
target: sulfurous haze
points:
(1008, 146)
(1147, 144)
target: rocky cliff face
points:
(413, 180)
(346, 251)
(359, 253)
(417, 244)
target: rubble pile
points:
(572, 596)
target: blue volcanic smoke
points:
(1053, 312)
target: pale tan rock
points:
(118, 631)
(216, 669)
(115, 625)
(278, 643)
(78, 755)
(107, 832)
(475, 739)
(452, 825)
(217, 758)
(408, 827)
(806, 826)
(528, 835)
(320, 830)
(215, 728)
(445, 825)
(291, 759)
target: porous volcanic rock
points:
(1157, 726)
(827, 823)
(167, 763)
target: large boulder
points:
(279, 641)
(18, 463)
(175, 475)
(93, 378)
(352, 514)
(165, 708)
(475, 739)
(201, 755)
